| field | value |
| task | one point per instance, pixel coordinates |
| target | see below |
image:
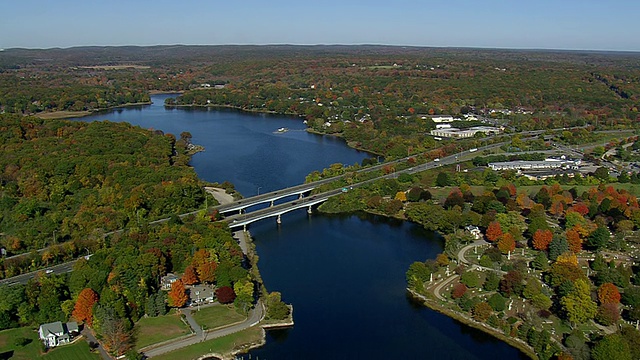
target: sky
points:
(537, 24)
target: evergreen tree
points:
(558, 246)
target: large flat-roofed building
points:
(533, 165)
(465, 133)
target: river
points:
(344, 275)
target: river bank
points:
(431, 304)
(63, 114)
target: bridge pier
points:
(272, 201)
(300, 196)
(309, 210)
(279, 220)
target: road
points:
(255, 316)
(56, 269)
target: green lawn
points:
(7, 344)
(218, 315)
(76, 351)
(153, 330)
(223, 345)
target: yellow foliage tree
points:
(400, 195)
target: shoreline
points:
(64, 114)
(514, 342)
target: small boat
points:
(282, 130)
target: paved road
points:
(438, 288)
(255, 316)
(23, 278)
(92, 339)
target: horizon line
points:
(328, 45)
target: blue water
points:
(344, 275)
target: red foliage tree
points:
(542, 238)
(494, 231)
(581, 208)
(608, 294)
(190, 277)
(458, 290)
(225, 295)
(506, 243)
(178, 294)
(574, 240)
(83, 311)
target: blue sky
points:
(546, 24)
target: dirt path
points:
(220, 195)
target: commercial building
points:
(465, 133)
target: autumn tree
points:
(494, 231)
(608, 294)
(401, 195)
(578, 304)
(506, 243)
(542, 238)
(574, 241)
(482, 311)
(225, 295)
(207, 271)
(178, 294)
(608, 314)
(190, 277)
(458, 290)
(83, 311)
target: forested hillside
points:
(64, 182)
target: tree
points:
(578, 304)
(497, 302)
(599, 238)
(506, 243)
(542, 238)
(574, 241)
(83, 311)
(611, 347)
(207, 271)
(443, 179)
(482, 311)
(225, 295)
(559, 245)
(116, 338)
(458, 290)
(541, 261)
(494, 231)
(511, 283)
(401, 196)
(190, 277)
(608, 294)
(608, 314)
(178, 295)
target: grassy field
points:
(223, 345)
(7, 344)
(153, 330)
(77, 351)
(32, 350)
(218, 315)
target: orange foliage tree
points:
(494, 231)
(178, 294)
(608, 294)
(190, 277)
(574, 240)
(83, 311)
(207, 271)
(506, 243)
(542, 238)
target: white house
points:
(168, 280)
(57, 333)
(442, 118)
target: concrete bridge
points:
(242, 220)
